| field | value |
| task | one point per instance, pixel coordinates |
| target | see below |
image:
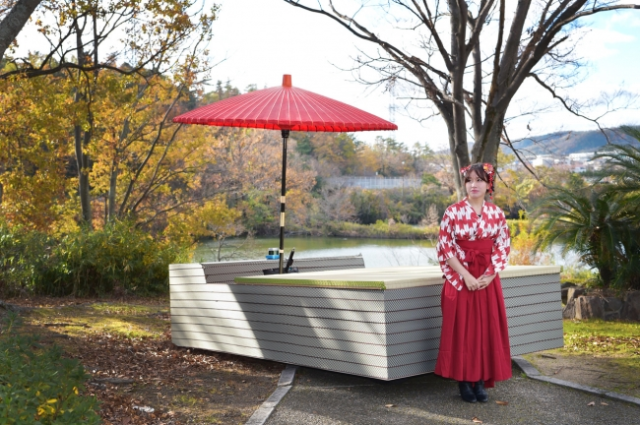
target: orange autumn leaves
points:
(142, 166)
(34, 153)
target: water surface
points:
(375, 252)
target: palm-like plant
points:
(592, 222)
(623, 165)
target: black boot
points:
(466, 392)
(480, 392)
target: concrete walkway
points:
(326, 398)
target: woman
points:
(473, 246)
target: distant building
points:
(375, 183)
(581, 156)
(544, 160)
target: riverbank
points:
(387, 230)
(380, 230)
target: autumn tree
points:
(139, 37)
(467, 58)
(394, 158)
(336, 204)
(246, 165)
(144, 166)
(34, 153)
(337, 150)
(213, 219)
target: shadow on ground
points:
(320, 397)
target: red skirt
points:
(474, 341)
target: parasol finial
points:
(286, 80)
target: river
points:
(376, 252)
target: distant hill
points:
(566, 142)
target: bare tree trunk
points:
(113, 187)
(13, 23)
(476, 101)
(460, 153)
(490, 152)
(82, 139)
(488, 140)
(82, 160)
(455, 164)
(219, 253)
(440, 72)
(113, 176)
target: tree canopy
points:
(468, 59)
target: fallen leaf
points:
(593, 403)
(389, 405)
(476, 420)
(604, 404)
(502, 403)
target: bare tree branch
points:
(569, 108)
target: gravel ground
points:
(324, 398)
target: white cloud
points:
(625, 17)
(597, 43)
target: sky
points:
(260, 40)
(257, 41)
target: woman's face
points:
(476, 187)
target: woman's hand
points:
(485, 280)
(472, 283)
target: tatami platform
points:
(382, 323)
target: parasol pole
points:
(283, 191)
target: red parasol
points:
(288, 109)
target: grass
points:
(130, 321)
(599, 337)
(186, 400)
(125, 309)
(131, 341)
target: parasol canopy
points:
(285, 108)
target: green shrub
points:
(39, 386)
(582, 276)
(120, 258)
(22, 255)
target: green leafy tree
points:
(623, 166)
(430, 179)
(594, 223)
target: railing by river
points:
(372, 183)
